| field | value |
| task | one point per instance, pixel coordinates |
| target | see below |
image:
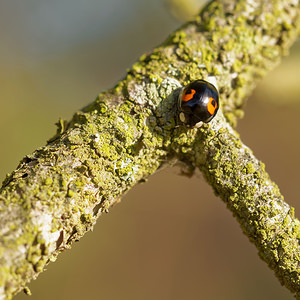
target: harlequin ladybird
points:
(198, 103)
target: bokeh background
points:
(169, 238)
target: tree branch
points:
(57, 193)
(241, 181)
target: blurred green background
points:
(170, 238)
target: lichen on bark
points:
(56, 193)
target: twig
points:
(56, 194)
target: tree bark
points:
(56, 193)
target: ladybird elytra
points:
(198, 103)
(187, 97)
(212, 105)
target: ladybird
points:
(198, 103)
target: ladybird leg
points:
(198, 125)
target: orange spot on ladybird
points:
(189, 96)
(212, 105)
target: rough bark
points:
(57, 193)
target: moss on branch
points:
(242, 182)
(56, 193)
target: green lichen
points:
(246, 190)
(48, 181)
(127, 132)
(249, 168)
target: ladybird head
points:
(198, 103)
